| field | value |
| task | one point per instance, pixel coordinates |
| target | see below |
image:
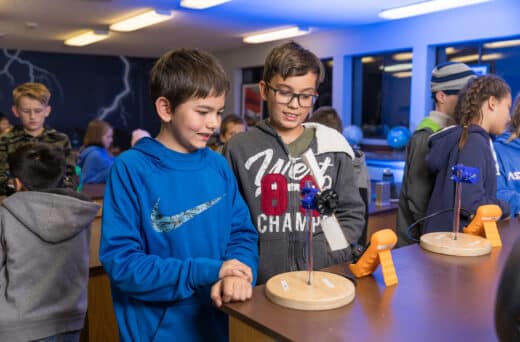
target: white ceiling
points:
(214, 29)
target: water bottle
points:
(388, 176)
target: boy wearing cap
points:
(446, 82)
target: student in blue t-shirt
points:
(176, 234)
(507, 148)
(94, 159)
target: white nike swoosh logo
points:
(165, 224)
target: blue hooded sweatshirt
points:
(508, 182)
(169, 221)
(95, 163)
(444, 154)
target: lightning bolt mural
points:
(35, 73)
(116, 103)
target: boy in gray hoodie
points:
(267, 163)
(44, 250)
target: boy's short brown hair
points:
(34, 90)
(291, 59)
(185, 73)
(327, 116)
(231, 119)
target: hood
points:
(52, 217)
(446, 140)
(85, 152)
(502, 139)
(168, 158)
(328, 139)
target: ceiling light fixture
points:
(451, 50)
(139, 21)
(423, 7)
(202, 4)
(402, 74)
(502, 44)
(267, 36)
(367, 59)
(474, 57)
(87, 38)
(402, 56)
(398, 67)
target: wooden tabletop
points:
(438, 298)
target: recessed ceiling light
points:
(267, 36)
(474, 57)
(424, 7)
(398, 67)
(502, 44)
(402, 56)
(87, 38)
(139, 21)
(202, 4)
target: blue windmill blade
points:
(465, 174)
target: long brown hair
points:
(514, 125)
(95, 131)
(471, 98)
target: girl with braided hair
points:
(482, 111)
(507, 147)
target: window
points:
(500, 56)
(381, 92)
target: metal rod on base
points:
(310, 259)
(456, 210)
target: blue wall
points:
(496, 19)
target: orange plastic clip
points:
(378, 252)
(485, 224)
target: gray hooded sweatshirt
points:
(270, 181)
(44, 263)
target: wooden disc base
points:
(328, 290)
(465, 245)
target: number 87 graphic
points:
(275, 193)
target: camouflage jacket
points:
(17, 137)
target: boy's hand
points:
(231, 289)
(235, 268)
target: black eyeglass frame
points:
(297, 95)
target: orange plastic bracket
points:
(378, 252)
(485, 224)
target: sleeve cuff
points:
(205, 271)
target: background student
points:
(94, 158)
(231, 125)
(482, 111)
(446, 82)
(44, 250)
(507, 148)
(31, 106)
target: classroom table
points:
(438, 298)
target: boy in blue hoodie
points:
(176, 234)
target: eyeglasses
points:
(285, 97)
